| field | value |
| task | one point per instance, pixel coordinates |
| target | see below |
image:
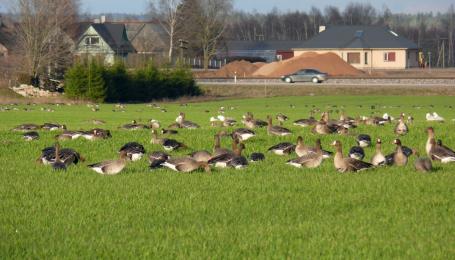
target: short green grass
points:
(269, 210)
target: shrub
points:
(116, 84)
(76, 81)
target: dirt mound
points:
(327, 62)
(240, 68)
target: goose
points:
(155, 139)
(185, 123)
(363, 140)
(276, 130)
(134, 126)
(154, 124)
(434, 117)
(410, 120)
(185, 165)
(217, 150)
(301, 149)
(343, 164)
(441, 153)
(357, 152)
(430, 132)
(323, 128)
(201, 156)
(250, 122)
(52, 127)
(26, 127)
(30, 136)
(311, 121)
(378, 158)
(171, 144)
(238, 162)
(157, 158)
(133, 150)
(389, 159)
(399, 157)
(96, 134)
(224, 160)
(98, 122)
(282, 148)
(169, 131)
(111, 167)
(422, 164)
(243, 134)
(281, 118)
(310, 160)
(69, 135)
(67, 155)
(226, 122)
(58, 164)
(401, 128)
(256, 157)
(168, 144)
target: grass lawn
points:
(269, 210)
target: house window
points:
(366, 58)
(354, 57)
(389, 56)
(92, 40)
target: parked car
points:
(310, 75)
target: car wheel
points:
(315, 80)
(288, 80)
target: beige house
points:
(364, 47)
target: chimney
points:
(103, 19)
(321, 28)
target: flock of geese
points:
(232, 157)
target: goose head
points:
(205, 166)
(430, 132)
(336, 144)
(397, 142)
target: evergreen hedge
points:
(115, 84)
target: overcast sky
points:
(139, 6)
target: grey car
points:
(310, 75)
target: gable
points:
(113, 38)
(102, 47)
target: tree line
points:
(198, 28)
(432, 32)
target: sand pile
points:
(241, 68)
(328, 62)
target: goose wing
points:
(357, 165)
(441, 152)
(279, 129)
(285, 147)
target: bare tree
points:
(208, 20)
(170, 18)
(44, 33)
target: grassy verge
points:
(269, 210)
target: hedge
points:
(101, 83)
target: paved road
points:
(338, 82)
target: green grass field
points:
(269, 210)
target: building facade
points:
(364, 47)
(105, 40)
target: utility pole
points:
(183, 46)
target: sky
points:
(139, 6)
